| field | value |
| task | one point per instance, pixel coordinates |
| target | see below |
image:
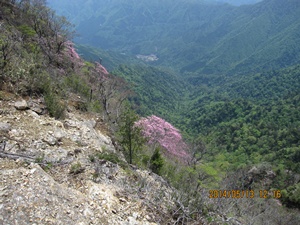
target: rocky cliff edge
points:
(51, 172)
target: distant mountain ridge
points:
(239, 2)
(193, 36)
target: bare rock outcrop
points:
(21, 105)
(50, 174)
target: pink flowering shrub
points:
(101, 69)
(71, 50)
(168, 137)
(71, 53)
(72, 56)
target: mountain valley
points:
(150, 112)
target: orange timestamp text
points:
(244, 194)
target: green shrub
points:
(291, 196)
(76, 168)
(92, 158)
(26, 31)
(112, 157)
(78, 85)
(55, 107)
(39, 159)
(95, 106)
(156, 162)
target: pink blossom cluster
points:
(101, 69)
(71, 53)
(169, 138)
(71, 50)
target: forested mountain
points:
(192, 36)
(255, 120)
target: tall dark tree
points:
(130, 135)
(156, 162)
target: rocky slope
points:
(52, 172)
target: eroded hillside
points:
(52, 172)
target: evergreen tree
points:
(130, 135)
(156, 162)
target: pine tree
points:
(130, 135)
(156, 162)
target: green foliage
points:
(53, 102)
(39, 159)
(94, 106)
(112, 157)
(158, 91)
(144, 162)
(252, 128)
(27, 31)
(76, 168)
(78, 85)
(92, 158)
(291, 196)
(130, 136)
(109, 59)
(156, 162)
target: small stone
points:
(50, 140)
(38, 110)
(5, 127)
(32, 170)
(59, 134)
(33, 114)
(148, 217)
(21, 105)
(90, 124)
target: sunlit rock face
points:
(49, 176)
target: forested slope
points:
(256, 114)
(158, 91)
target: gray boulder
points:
(21, 105)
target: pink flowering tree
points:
(158, 131)
(72, 56)
(71, 51)
(101, 69)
